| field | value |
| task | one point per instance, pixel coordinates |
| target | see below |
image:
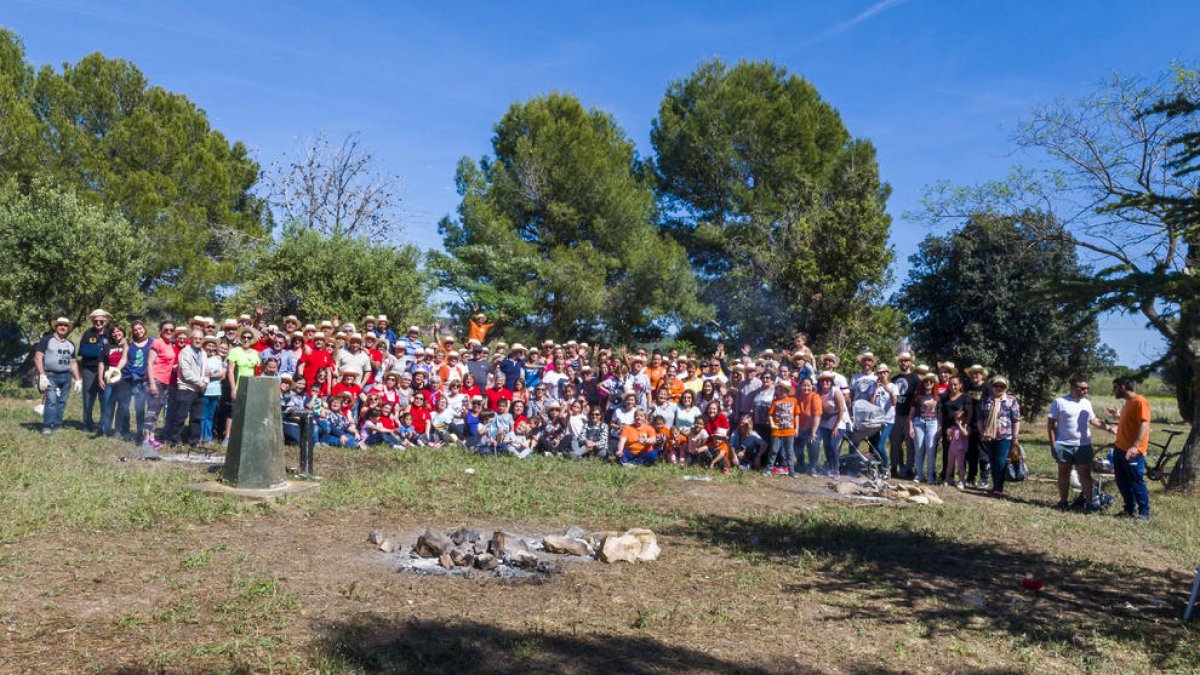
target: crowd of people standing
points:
(778, 413)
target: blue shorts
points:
(1074, 455)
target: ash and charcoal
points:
(507, 555)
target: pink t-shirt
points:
(165, 357)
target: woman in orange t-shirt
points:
(636, 444)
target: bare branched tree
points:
(335, 189)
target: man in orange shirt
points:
(1129, 457)
(478, 327)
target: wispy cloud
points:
(863, 16)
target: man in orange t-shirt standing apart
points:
(1129, 457)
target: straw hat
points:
(948, 367)
(291, 317)
(447, 338)
(480, 317)
(825, 375)
(865, 356)
(517, 347)
(194, 321)
(882, 368)
(553, 405)
(784, 384)
(999, 379)
(830, 355)
(62, 320)
(229, 323)
(286, 377)
(355, 337)
(211, 340)
(112, 375)
(381, 318)
(922, 369)
(244, 317)
(370, 318)
(99, 314)
(414, 329)
(254, 336)
(308, 327)
(976, 368)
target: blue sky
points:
(938, 86)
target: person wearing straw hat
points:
(111, 363)
(945, 371)
(902, 450)
(412, 342)
(478, 327)
(54, 358)
(833, 409)
(354, 357)
(383, 329)
(978, 463)
(862, 383)
(923, 422)
(999, 422)
(513, 365)
(91, 349)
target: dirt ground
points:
(770, 576)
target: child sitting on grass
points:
(518, 442)
(406, 432)
(378, 429)
(336, 425)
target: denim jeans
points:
(788, 445)
(127, 391)
(925, 438)
(881, 445)
(808, 451)
(832, 460)
(108, 407)
(206, 422)
(56, 400)
(1131, 482)
(645, 459)
(997, 453)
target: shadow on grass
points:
(376, 643)
(950, 587)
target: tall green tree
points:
(315, 276)
(780, 208)
(1119, 171)
(986, 293)
(557, 230)
(63, 257)
(145, 152)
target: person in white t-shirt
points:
(1071, 441)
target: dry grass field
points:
(109, 566)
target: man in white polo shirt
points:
(1071, 441)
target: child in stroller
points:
(869, 424)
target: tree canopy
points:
(984, 293)
(98, 127)
(1118, 173)
(780, 209)
(557, 230)
(74, 257)
(310, 274)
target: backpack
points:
(1017, 469)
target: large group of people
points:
(348, 384)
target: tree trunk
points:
(1184, 476)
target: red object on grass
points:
(1033, 584)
